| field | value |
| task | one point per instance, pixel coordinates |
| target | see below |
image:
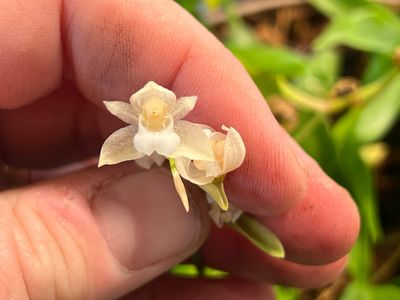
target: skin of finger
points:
(31, 59)
(226, 250)
(58, 129)
(115, 47)
(51, 237)
(199, 289)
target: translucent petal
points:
(147, 162)
(235, 151)
(179, 186)
(158, 159)
(119, 147)
(213, 169)
(183, 106)
(121, 110)
(221, 217)
(215, 214)
(194, 142)
(188, 171)
(150, 90)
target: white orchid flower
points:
(155, 131)
(228, 154)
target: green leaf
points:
(362, 291)
(320, 73)
(369, 28)
(212, 273)
(190, 5)
(315, 138)
(286, 293)
(259, 235)
(266, 84)
(259, 58)
(380, 113)
(360, 260)
(378, 66)
(355, 175)
(185, 270)
(336, 7)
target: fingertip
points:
(228, 251)
(322, 228)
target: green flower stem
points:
(333, 105)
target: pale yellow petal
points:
(145, 162)
(119, 147)
(151, 90)
(188, 170)
(179, 186)
(158, 159)
(122, 110)
(194, 142)
(235, 151)
(182, 107)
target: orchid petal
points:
(179, 186)
(151, 90)
(188, 171)
(215, 214)
(147, 162)
(183, 106)
(119, 147)
(121, 110)
(158, 159)
(194, 142)
(235, 150)
(221, 217)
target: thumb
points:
(97, 234)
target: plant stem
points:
(388, 269)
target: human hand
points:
(104, 233)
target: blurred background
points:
(330, 72)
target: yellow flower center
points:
(218, 147)
(155, 114)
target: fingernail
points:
(143, 220)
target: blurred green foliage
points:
(333, 125)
